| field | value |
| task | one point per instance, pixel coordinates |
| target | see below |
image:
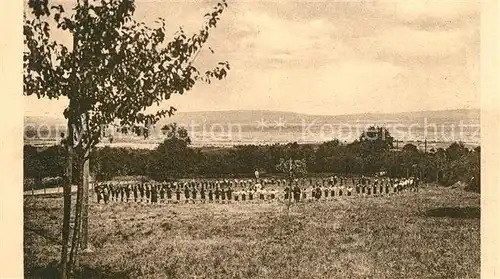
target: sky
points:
(326, 57)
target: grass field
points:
(431, 234)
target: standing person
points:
(210, 195)
(98, 190)
(261, 194)
(326, 190)
(169, 193)
(202, 194)
(148, 193)
(243, 195)
(223, 193)
(177, 194)
(229, 193)
(236, 195)
(296, 193)
(186, 194)
(154, 194)
(112, 191)
(106, 194)
(195, 192)
(217, 194)
(141, 191)
(117, 192)
(287, 193)
(318, 193)
(380, 187)
(273, 194)
(122, 192)
(127, 192)
(304, 194)
(162, 193)
(108, 191)
(349, 190)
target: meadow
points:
(434, 233)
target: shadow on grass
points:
(51, 271)
(455, 212)
(47, 195)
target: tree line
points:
(371, 154)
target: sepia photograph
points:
(251, 139)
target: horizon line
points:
(60, 116)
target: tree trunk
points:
(67, 201)
(77, 223)
(85, 203)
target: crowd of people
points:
(251, 190)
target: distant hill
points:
(250, 117)
(295, 127)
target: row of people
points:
(155, 193)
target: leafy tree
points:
(31, 162)
(32, 165)
(53, 161)
(378, 137)
(456, 150)
(173, 131)
(173, 158)
(115, 69)
(410, 148)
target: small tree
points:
(292, 169)
(115, 69)
(172, 158)
(173, 131)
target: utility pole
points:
(425, 145)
